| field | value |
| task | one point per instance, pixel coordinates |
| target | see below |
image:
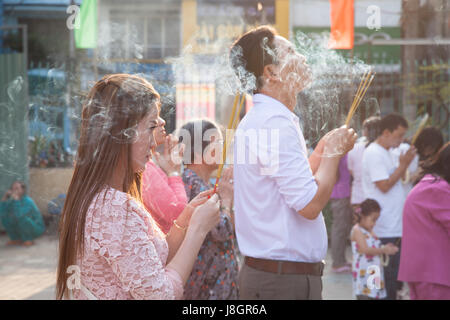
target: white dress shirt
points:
(272, 181)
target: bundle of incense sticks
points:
(360, 93)
(422, 124)
(232, 124)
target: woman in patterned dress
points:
(214, 276)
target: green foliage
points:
(36, 146)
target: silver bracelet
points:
(178, 226)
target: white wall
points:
(316, 13)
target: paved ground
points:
(29, 273)
(337, 286)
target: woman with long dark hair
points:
(425, 252)
(429, 141)
(110, 246)
(162, 177)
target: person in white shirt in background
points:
(381, 182)
(279, 225)
(355, 156)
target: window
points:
(145, 34)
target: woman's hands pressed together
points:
(170, 160)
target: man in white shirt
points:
(381, 182)
(278, 202)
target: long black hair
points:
(430, 137)
(440, 167)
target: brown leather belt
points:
(285, 267)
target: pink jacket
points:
(163, 196)
(425, 252)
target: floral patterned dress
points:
(214, 276)
(367, 270)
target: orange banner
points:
(342, 24)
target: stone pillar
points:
(410, 29)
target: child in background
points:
(367, 251)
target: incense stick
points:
(365, 74)
(422, 124)
(239, 113)
(356, 95)
(361, 96)
(232, 123)
(360, 93)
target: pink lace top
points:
(125, 252)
